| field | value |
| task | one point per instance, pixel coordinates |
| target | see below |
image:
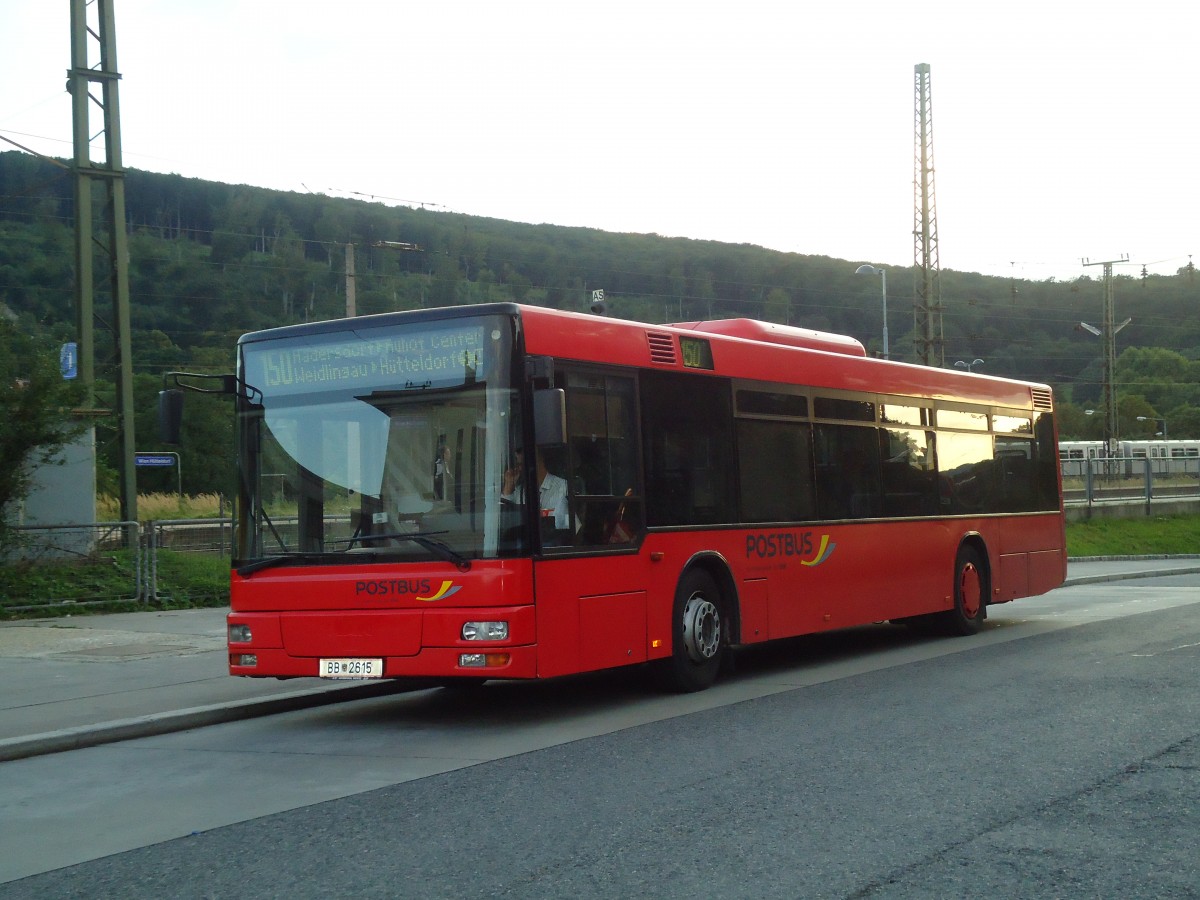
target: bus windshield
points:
(385, 442)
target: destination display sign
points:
(363, 361)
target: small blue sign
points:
(68, 360)
(153, 459)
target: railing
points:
(77, 559)
(1130, 480)
(211, 536)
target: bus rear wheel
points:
(971, 588)
(970, 595)
(699, 635)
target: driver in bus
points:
(552, 491)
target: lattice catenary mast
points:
(92, 81)
(927, 300)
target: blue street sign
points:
(68, 360)
(149, 459)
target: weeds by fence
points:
(119, 564)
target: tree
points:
(778, 306)
(1165, 378)
(35, 415)
(1183, 423)
(1074, 424)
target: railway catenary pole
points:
(1108, 338)
(927, 299)
(97, 41)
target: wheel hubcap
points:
(701, 628)
(971, 591)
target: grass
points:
(1148, 536)
(108, 583)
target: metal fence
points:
(208, 536)
(1130, 480)
(85, 564)
(104, 562)
(136, 551)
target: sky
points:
(1062, 131)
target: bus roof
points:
(741, 348)
(761, 351)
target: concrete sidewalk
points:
(81, 681)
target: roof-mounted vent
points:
(1042, 399)
(662, 348)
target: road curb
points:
(1122, 576)
(95, 735)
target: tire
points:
(971, 589)
(699, 634)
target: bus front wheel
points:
(699, 634)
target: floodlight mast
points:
(882, 273)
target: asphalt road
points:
(1055, 755)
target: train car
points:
(1167, 457)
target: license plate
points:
(351, 668)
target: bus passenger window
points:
(775, 471)
(909, 486)
(847, 471)
(687, 439)
(964, 472)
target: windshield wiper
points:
(426, 539)
(269, 562)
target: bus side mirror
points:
(170, 415)
(549, 416)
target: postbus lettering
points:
(781, 543)
(392, 587)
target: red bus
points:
(701, 486)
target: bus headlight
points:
(485, 631)
(239, 634)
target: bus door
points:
(591, 579)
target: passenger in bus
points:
(552, 491)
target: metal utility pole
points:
(927, 299)
(351, 295)
(1107, 332)
(95, 83)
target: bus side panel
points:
(755, 609)
(835, 576)
(1013, 578)
(1047, 570)
(592, 611)
(1031, 556)
(612, 630)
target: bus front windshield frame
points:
(378, 442)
